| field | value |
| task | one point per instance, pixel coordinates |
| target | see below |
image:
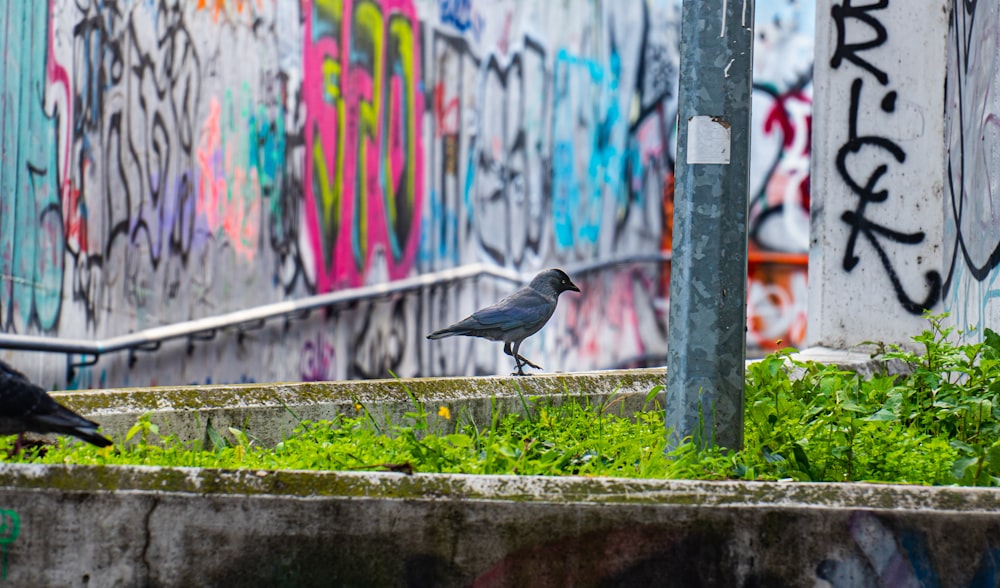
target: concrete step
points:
(271, 411)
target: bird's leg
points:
(517, 360)
(17, 445)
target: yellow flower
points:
(444, 412)
(357, 406)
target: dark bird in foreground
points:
(516, 317)
(26, 407)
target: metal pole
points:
(706, 351)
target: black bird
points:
(26, 407)
(516, 317)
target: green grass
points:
(804, 421)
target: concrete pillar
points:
(875, 258)
(972, 217)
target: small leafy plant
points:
(935, 421)
(937, 424)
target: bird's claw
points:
(521, 362)
(529, 363)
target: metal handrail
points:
(205, 328)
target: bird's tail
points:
(442, 333)
(67, 422)
(90, 435)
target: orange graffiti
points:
(218, 6)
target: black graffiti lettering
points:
(855, 143)
(868, 192)
(381, 341)
(872, 231)
(867, 188)
(850, 51)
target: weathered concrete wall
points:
(876, 255)
(972, 180)
(168, 160)
(77, 526)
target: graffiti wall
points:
(166, 160)
(781, 145)
(971, 291)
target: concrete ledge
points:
(856, 361)
(80, 525)
(271, 411)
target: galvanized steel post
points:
(707, 338)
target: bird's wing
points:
(525, 307)
(19, 397)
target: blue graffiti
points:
(883, 555)
(585, 114)
(442, 245)
(457, 13)
(31, 250)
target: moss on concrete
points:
(272, 410)
(202, 397)
(377, 485)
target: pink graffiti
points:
(617, 321)
(229, 197)
(364, 159)
(58, 89)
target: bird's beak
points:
(573, 287)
